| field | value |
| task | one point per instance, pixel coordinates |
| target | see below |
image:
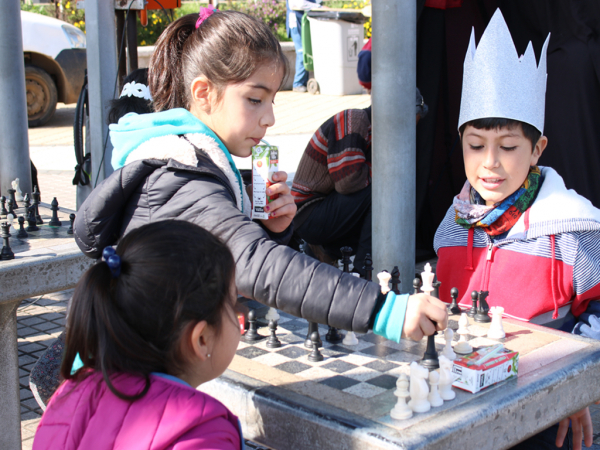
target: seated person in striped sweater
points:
(332, 186)
(515, 230)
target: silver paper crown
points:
(497, 83)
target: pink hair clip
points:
(205, 13)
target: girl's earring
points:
(208, 355)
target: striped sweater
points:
(338, 157)
(545, 270)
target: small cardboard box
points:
(265, 162)
(473, 377)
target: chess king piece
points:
(54, 222)
(496, 330)
(7, 252)
(447, 377)
(401, 411)
(454, 308)
(482, 312)
(473, 310)
(273, 341)
(419, 391)
(463, 347)
(448, 352)
(384, 281)
(430, 358)
(434, 396)
(18, 193)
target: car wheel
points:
(41, 96)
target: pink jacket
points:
(174, 416)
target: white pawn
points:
(384, 281)
(401, 411)
(419, 391)
(434, 396)
(448, 352)
(272, 314)
(463, 347)
(447, 377)
(496, 330)
(350, 339)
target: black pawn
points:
(333, 335)
(315, 355)
(482, 312)
(454, 308)
(417, 283)
(7, 252)
(22, 233)
(31, 222)
(26, 203)
(436, 289)
(368, 267)
(346, 253)
(273, 342)
(395, 280)
(72, 219)
(11, 196)
(54, 222)
(312, 328)
(473, 310)
(36, 202)
(3, 211)
(11, 207)
(252, 333)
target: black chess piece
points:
(54, 222)
(482, 312)
(430, 359)
(454, 308)
(315, 355)
(22, 234)
(11, 207)
(312, 328)
(346, 253)
(273, 342)
(395, 280)
(334, 336)
(252, 334)
(368, 267)
(11, 196)
(37, 198)
(72, 219)
(3, 211)
(31, 222)
(436, 289)
(473, 310)
(26, 203)
(417, 283)
(7, 252)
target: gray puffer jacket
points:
(147, 190)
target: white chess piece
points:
(462, 347)
(496, 330)
(272, 314)
(350, 339)
(419, 391)
(9, 220)
(448, 352)
(434, 396)
(18, 193)
(401, 410)
(447, 377)
(427, 278)
(384, 281)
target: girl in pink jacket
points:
(151, 321)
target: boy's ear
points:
(202, 92)
(539, 148)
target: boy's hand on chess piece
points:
(583, 429)
(424, 315)
(283, 209)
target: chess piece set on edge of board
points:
(30, 213)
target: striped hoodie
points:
(545, 270)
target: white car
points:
(55, 62)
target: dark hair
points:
(123, 105)
(173, 273)
(228, 47)
(495, 123)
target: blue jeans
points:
(301, 77)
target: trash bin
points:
(336, 37)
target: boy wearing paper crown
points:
(514, 229)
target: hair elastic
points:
(113, 261)
(204, 14)
(137, 90)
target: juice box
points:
(265, 162)
(473, 377)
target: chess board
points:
(361, 379)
